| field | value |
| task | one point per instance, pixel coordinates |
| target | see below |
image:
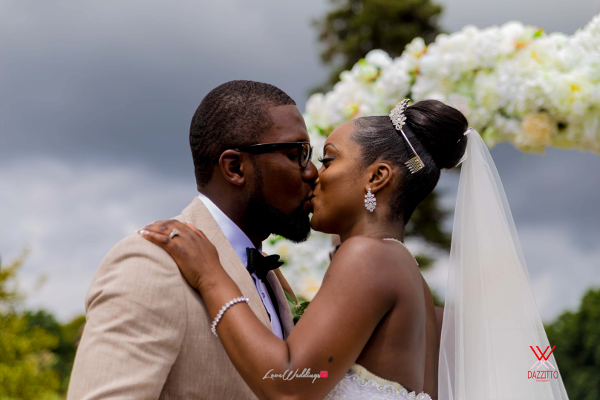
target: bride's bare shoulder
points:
(361, 248)
(373, 255)
(386, 262)
(386, 253)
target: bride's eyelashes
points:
(324, 160)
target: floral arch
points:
(514, 83)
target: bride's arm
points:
(355, 295)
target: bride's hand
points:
(195, 255)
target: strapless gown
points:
(360, 384)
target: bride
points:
(371, 331)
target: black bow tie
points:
(261, 264)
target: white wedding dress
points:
(360, 384)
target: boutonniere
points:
(297, 308)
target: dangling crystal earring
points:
(370, 201)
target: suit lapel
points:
(285, 314)
(198, 215)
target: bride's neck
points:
(387, 229)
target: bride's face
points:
(340, 189)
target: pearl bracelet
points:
(213, 328)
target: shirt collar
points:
(235, 236)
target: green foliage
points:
(296, 308)
(9, 290)
(354, 27)
(26, 361)
(66, 346)
(576, 336)
(26, 357)
(425, 222)
(36, 351)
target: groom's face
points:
(280, 194)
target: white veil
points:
(490, 316)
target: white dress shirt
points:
(239, 241)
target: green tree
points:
(26, 356)
(66, 346)
(576, 336)
(352, 28)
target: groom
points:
(148, 332)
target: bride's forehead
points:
(340, 134)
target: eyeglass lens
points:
(305, 155)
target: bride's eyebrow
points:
(329, 144)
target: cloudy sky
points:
(95, 109)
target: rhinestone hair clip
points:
(398, 119)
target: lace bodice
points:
(360, 384)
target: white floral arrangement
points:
(305, 263)
(514, 83)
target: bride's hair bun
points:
(435, 130)
(440, 129)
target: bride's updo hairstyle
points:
(434, 129)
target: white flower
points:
(416, 48)
(364, 71)
(538, 128)
(394, 83)
(316, 111)
(379, 58)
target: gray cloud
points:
(550, 15)
(122, 82)
(70, 214)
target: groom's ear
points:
(231, 164)
(381, 174)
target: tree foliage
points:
(354, 27)
(67, 337)
(576, 336)
(36, 352)
(26, 357)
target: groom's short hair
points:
(232, 114)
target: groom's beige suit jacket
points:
(148, 334)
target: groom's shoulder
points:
(135, 258)
(135, 247)
(135, 267)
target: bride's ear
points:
(380, 176)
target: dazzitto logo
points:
(542, 360)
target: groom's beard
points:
(259, 212)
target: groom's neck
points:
(235, 210)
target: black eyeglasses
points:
(304, 150)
